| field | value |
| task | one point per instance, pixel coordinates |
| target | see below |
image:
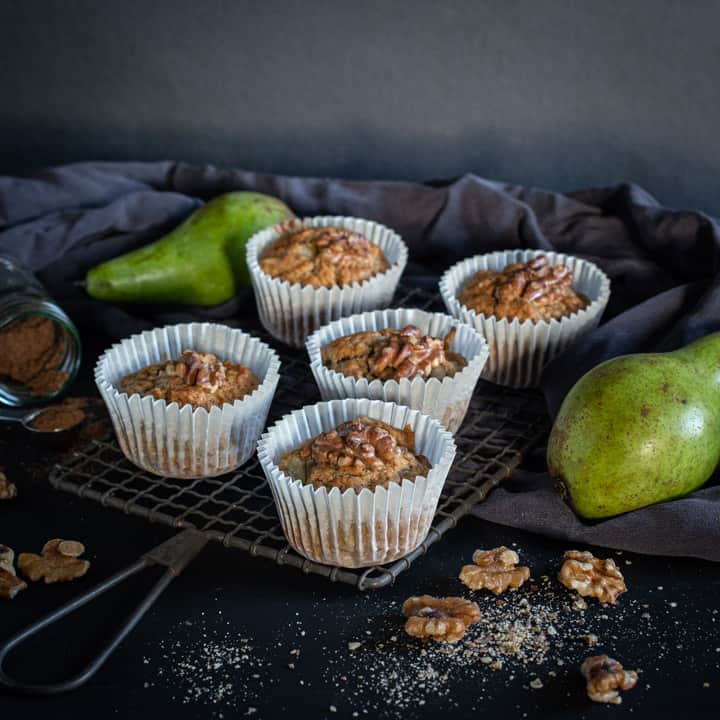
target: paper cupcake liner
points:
(356, 529)
(291, 312)
(520, 350)
(446, 400)
(170, 440)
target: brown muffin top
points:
(362, 453)
(197, 379)
(526, 291)
(323, 257)
(393, 354)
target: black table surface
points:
(238, 636)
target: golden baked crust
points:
(323, 257)
(393, 354)
(197, 379)
(526, 291)
(362, 453)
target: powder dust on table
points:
(527, 642)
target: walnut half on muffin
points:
(323, 257)
(527, 291)
(390, 354)
(361, 453)
(197, 379)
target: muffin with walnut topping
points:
(361, 453)
(390, 354)
(427, 361)
(323, 257)
(308, 272)
(530, 305)
(531, 290)
(188, 400)
(196, 379)
(356, 482)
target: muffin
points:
(426, 361)
(390, 354)
(323, 257)
(357, 454)
(524, 291)
(308, 272)
(196, 379)
(356, 482)
(199, 415)
(530, 305)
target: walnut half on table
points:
(495, 570)
(605, 676)
(59, 562)
(7, 489)
(10, 583)
(442, 619)
(592, 577)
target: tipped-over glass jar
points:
(39, 345)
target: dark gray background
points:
(555, 94)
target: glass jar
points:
(35, 334)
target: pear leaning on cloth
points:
(201, 262)
(639, 429)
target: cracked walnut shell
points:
(605, 677)
(59, 562)
(10, 583)
(442, 619)
(495, 570)
(592, 577)
(7, 489)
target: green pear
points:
(201, 262)
(639, 429)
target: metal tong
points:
(174, 554)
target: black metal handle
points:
(174, 554)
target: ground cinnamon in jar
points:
(30, 351)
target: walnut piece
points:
(10, 584)
(409, 353)
(202, 369)
(59, 562)
(494, 570)
(7, 489)
(354, 443)
(592, 577)
(442, 619)
(604, 677)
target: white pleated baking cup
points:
(179, 441)
(520, 350)
(350, 528)
(446, 400)
(291, 312)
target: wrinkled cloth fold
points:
(664, 266)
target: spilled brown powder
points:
(30, 351)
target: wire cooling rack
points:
(238, 510)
